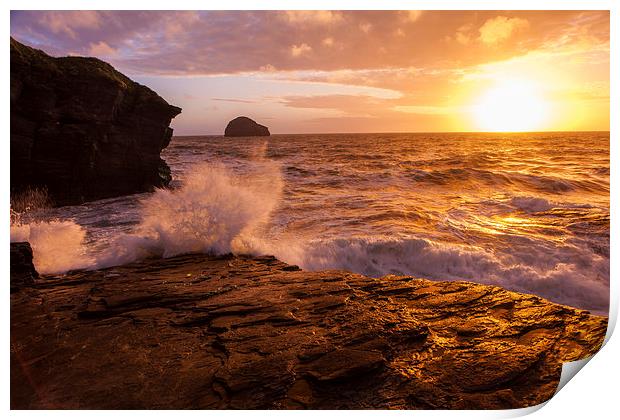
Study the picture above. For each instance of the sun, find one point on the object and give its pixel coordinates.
(511, 105)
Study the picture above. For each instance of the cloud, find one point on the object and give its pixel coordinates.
(235, 100)
(298, 50)
(202, 42)
(313, 16)
(368, 105)
(412, 15)
(501, 28)
(101, 49)
(378, 70)
(346, 104)
(463, 34)
(426, 109)
(365, 27)
(267, 68)
(180, 23)
(69, 22)
(365, 113)
(423, 85)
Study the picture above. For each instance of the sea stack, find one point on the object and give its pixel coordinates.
(245, 127)
(82, 130)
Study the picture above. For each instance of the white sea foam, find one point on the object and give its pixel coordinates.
(57, 246)
(458, 223)
(531, 204)
(569, 274)
(214, 212)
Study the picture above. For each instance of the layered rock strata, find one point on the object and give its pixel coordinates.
(238, 332)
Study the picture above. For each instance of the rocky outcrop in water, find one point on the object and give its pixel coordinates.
(245, 127)
(236, 332)
(82, 130)
(23, 272)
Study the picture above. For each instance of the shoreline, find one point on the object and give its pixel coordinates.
(144, 261)
(196, 331)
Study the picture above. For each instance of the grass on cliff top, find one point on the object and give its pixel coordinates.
(26, 58)
(71, 65)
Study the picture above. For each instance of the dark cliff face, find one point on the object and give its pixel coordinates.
(245, 127)
(82, 130)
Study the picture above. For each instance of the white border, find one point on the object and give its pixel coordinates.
(591, 395)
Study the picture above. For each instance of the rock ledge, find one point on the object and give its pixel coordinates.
(238, 332)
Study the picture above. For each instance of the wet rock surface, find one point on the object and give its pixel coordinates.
(235, 332)
(82, 130)
(23, 272)
(245, 127)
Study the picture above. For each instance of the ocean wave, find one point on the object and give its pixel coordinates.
(534, 232)
(569, 275)
(531, 204)
(213, 212)
(57, 245)
(524, 181)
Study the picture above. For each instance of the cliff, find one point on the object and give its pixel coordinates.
(82, 130)
(238, 332)
(245, 127)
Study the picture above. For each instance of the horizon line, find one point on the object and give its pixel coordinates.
(409, 132)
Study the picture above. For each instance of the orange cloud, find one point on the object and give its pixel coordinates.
(427, 63)
(179, 23)
(463, 34)
(412, 15)
(501, 28)
(177, 43)
(328, 42)
(301, 49)
(365, 27)
(101, 49)
(313, 16)
(70, 21)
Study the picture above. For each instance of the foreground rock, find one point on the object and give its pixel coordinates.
(23, 272)
(245, 127)
(82, 130)
(201, 332)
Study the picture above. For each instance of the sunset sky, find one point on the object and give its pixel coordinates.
(371, 71)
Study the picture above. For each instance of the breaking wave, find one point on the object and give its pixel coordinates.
(215, 211)
(498, 178)
(475, 221)
(57, 245)
(568, 274)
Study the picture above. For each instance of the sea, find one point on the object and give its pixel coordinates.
(525, 211)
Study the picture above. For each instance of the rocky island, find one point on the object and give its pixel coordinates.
(197, 331)
(81, 130)
(245, 127)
